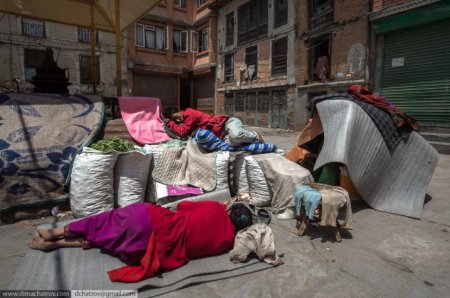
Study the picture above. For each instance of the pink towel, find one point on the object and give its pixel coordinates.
(142, 116)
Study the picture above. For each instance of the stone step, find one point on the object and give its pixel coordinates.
(439, 139)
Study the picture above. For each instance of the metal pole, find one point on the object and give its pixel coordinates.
(93, 56)
(118, 49)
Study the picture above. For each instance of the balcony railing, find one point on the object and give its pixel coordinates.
(321, 20)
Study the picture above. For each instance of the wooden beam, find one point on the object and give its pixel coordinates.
(93, 56)
(118, 48)
(104, 14)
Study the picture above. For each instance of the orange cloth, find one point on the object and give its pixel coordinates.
(297, 154)
(309, 135)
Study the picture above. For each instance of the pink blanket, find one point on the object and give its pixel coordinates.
(142, 116)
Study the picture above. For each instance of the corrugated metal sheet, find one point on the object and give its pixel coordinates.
(416, 75)
(394, 183)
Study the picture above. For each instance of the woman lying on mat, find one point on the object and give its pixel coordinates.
(151, 238)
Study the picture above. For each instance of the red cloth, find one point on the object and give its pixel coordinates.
(194, 119)
(197, 229)
(400, 118)
(149, 266)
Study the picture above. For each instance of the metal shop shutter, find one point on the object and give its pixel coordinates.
(163, 87)
(416, 72)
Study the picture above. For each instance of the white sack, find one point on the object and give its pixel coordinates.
(155, 151)
(131, 176)
(222, 164)
(92, 182)
(259, 190)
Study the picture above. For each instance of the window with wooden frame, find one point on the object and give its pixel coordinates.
(33, 59)
(203, 40)
(280, 13)
(84, 35)
(229, 104)
(251, 59)
(279, 100)
(321, 14)
(180, 3)
(151, 37)
(229, 40)
(250, 102)
(240, 102)
(279, 56)
(263, 102)
(229, 68)
(201, 3)
(180, 39)
(252, 20)
(85, 69)
(33, 28)
(320, 58)
(194, 41)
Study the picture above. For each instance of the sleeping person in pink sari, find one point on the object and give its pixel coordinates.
(150, 238)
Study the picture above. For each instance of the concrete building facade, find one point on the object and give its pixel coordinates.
(172, 52)
(22, 45)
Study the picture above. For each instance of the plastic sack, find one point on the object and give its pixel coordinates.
(259, 190)
(222, 164)
(131, 176)
(155, 151)
(92, 182)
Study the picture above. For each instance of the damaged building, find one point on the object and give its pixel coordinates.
(275, 55)
(23, 43)
(331, 48)
(172, 54)
(255, 77)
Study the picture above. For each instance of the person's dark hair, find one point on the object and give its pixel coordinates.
(241, 216)
(168, 112)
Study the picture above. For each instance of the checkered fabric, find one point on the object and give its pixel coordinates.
(391, 134)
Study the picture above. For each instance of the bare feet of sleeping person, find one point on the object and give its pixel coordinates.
(39, 243)
(51, 234)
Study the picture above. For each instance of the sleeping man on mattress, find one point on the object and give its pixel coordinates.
(151, 238)
(183, 123)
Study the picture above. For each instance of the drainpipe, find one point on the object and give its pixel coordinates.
(371, 48)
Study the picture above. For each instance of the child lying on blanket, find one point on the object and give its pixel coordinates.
(151, 238)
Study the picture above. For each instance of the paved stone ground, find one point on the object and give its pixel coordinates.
(385, 255)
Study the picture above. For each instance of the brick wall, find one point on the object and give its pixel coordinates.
(381, 4)
(349, 29)
(220, 103)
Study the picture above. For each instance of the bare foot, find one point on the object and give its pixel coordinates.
(39, 243)
(48, 234)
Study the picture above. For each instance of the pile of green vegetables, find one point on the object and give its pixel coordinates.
(114, 143)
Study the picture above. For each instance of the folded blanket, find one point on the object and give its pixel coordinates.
(142, 117)
(207, 140)
(180, 165)
(282, 177)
